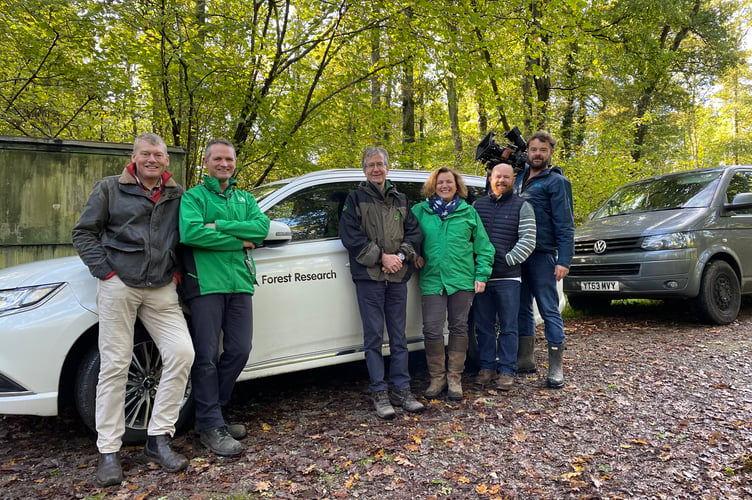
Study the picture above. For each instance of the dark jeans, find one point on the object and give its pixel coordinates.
(538, 282)
(440, 309)
(213, 376)
(381, 301)
(500, 300)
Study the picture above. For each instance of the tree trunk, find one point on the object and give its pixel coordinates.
(454, 124)
(408, 114)
(408, 107)
(536, 42)
(377, 132)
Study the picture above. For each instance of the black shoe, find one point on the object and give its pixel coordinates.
(109, 471)
(221, 442)
(158, 448)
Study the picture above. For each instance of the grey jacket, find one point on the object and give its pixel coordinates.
(122, 230)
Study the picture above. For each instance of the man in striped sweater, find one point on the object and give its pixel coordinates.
(510, 223)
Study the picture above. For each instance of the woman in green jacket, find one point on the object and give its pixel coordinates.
(455, 264)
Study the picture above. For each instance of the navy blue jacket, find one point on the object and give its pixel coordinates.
(550, 194)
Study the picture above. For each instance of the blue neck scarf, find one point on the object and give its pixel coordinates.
(443, 208)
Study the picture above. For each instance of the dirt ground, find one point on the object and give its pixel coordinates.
(655, 406)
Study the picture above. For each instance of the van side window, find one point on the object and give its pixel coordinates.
(741, 182)
(313, 213)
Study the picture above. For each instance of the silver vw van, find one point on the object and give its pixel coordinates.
(686, 235)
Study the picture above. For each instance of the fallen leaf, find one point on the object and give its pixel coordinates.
(260, 486)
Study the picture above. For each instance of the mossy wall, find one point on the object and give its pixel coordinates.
(44, 184)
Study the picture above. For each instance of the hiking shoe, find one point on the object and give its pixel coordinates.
(405, 399)
(221, 442)
(504, 382)
(237, 431)
(383, 408)
(485, 377)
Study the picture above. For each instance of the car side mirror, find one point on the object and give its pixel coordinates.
(741, 201)
(279, 234)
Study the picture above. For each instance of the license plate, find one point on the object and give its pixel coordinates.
(599, 286)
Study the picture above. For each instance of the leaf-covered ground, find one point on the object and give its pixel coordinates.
(655, 406)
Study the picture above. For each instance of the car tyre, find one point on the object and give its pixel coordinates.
(143, 377)
(720, 294)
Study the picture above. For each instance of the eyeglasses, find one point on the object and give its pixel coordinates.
(157, 156)
(378, 164)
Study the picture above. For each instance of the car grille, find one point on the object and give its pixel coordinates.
(612, 245)
(589, 270)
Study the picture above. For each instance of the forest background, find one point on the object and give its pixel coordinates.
(630, 88)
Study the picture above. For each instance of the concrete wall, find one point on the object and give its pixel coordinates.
(45, 184)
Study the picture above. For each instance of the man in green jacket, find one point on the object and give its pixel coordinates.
(219, 225)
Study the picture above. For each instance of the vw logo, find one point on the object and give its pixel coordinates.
(599, 247)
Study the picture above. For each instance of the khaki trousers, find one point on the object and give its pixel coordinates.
(160, 312)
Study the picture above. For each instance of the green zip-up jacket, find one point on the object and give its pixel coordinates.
(214, 258)
(457, 250)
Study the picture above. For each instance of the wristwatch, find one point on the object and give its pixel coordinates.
(401, 256)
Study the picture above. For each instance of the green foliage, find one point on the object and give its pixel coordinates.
(631, 87)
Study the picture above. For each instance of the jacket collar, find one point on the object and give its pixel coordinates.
(212, 184)
(374, 190)
(503, 197)
(128, 176)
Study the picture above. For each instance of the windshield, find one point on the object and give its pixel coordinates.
(691, 190)
(262, 192)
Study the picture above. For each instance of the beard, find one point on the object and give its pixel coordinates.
(538, 163)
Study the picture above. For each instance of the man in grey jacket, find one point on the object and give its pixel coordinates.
(127, 235)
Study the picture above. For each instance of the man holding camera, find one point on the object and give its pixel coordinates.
(550, 194)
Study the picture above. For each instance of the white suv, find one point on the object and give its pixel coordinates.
(305, 310)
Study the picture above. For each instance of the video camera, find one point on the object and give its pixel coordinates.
(513, 153)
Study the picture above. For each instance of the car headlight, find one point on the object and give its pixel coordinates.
(18, 298)
(670, 241)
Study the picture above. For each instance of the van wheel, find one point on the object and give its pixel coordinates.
(143, 379)
(720, 295)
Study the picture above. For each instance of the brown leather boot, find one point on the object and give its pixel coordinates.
(436, 361)
(455, 366)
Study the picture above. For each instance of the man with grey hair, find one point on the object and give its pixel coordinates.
(127, 236)
(382, 236)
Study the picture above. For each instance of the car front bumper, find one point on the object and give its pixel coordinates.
(652, 274)
(35, 343)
